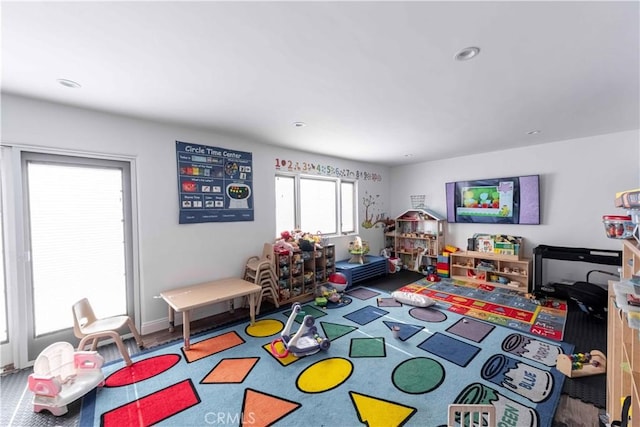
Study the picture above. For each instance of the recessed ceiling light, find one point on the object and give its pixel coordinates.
(408, 155)
(69, 83)
(533, 132)
(299, 124)
(467, 53)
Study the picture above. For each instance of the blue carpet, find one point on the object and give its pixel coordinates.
(370, 374)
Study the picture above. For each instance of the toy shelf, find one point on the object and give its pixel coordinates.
(480, 267)
(491, 255)
(623, 345)
(299, 273)
(564, 364)
(418, 238)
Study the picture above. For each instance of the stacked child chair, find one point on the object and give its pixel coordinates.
(261, 270)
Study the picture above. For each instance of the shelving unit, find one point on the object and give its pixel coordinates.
(419, 237)
(623, 346)
(300, 272)
(487, 268)
(325, 264)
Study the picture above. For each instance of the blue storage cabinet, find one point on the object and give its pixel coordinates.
(355, 273)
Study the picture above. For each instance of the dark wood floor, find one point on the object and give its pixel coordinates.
(387, 283)
(239, 315)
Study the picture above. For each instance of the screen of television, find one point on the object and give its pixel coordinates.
(510, 200)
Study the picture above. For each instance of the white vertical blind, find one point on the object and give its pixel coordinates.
(77, 241)
(318, 199)
(4, 335)
(347, 207)
(285, 203)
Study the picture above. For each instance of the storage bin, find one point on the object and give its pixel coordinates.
(618, 226)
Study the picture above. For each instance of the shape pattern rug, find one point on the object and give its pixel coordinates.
(496, 305)
(388, 365)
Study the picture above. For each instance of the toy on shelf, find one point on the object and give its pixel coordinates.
(473, 275)
(304, 342)
(358, 250)
(582, 364)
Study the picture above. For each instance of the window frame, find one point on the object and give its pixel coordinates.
(297, 177)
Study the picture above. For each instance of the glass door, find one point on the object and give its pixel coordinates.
(78, 241)
(5, 350)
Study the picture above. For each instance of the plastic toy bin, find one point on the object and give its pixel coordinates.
(618, 226)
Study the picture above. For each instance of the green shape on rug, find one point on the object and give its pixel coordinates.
(334, 331)
(367, 347)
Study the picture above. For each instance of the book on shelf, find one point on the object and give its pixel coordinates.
(633, 299)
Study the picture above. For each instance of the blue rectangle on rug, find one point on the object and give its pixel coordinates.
(400, 365)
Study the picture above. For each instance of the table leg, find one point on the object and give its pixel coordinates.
(172, 319)
(186, 327)
(252, 308)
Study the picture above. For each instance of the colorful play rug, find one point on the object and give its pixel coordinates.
(388, 364)
(496, 305)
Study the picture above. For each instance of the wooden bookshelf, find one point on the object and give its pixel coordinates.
(623, 347)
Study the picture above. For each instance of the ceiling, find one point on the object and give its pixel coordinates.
(373, 81)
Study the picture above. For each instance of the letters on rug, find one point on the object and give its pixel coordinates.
(496, 305)
(388, 364)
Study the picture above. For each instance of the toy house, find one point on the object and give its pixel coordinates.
(419, 238)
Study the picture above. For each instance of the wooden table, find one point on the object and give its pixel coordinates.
(188, 298)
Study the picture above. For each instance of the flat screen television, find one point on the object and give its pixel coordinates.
(509, 200)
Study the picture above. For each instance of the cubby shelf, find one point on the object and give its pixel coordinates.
(300, 272)
(623, 346)
(488, 268)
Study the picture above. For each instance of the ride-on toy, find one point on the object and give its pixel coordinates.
(305, 341)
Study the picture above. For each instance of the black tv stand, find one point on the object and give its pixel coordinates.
(594, 256)
(591, 298)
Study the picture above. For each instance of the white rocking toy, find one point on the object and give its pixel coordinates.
(62, 375)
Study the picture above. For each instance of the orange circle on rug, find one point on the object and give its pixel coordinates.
(324, 375)
(264, 328)
(141, 370)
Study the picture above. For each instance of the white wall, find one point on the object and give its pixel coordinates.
(578, 180)
(578, 177)
(172, 255)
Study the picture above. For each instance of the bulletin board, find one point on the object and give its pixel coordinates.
(214, 184)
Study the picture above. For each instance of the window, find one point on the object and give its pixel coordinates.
(312, 204)
(285, 203)
(4, 334)
(348, 210)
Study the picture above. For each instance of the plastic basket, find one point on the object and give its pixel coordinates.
(417, 201)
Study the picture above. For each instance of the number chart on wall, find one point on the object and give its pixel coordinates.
(214, 184)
